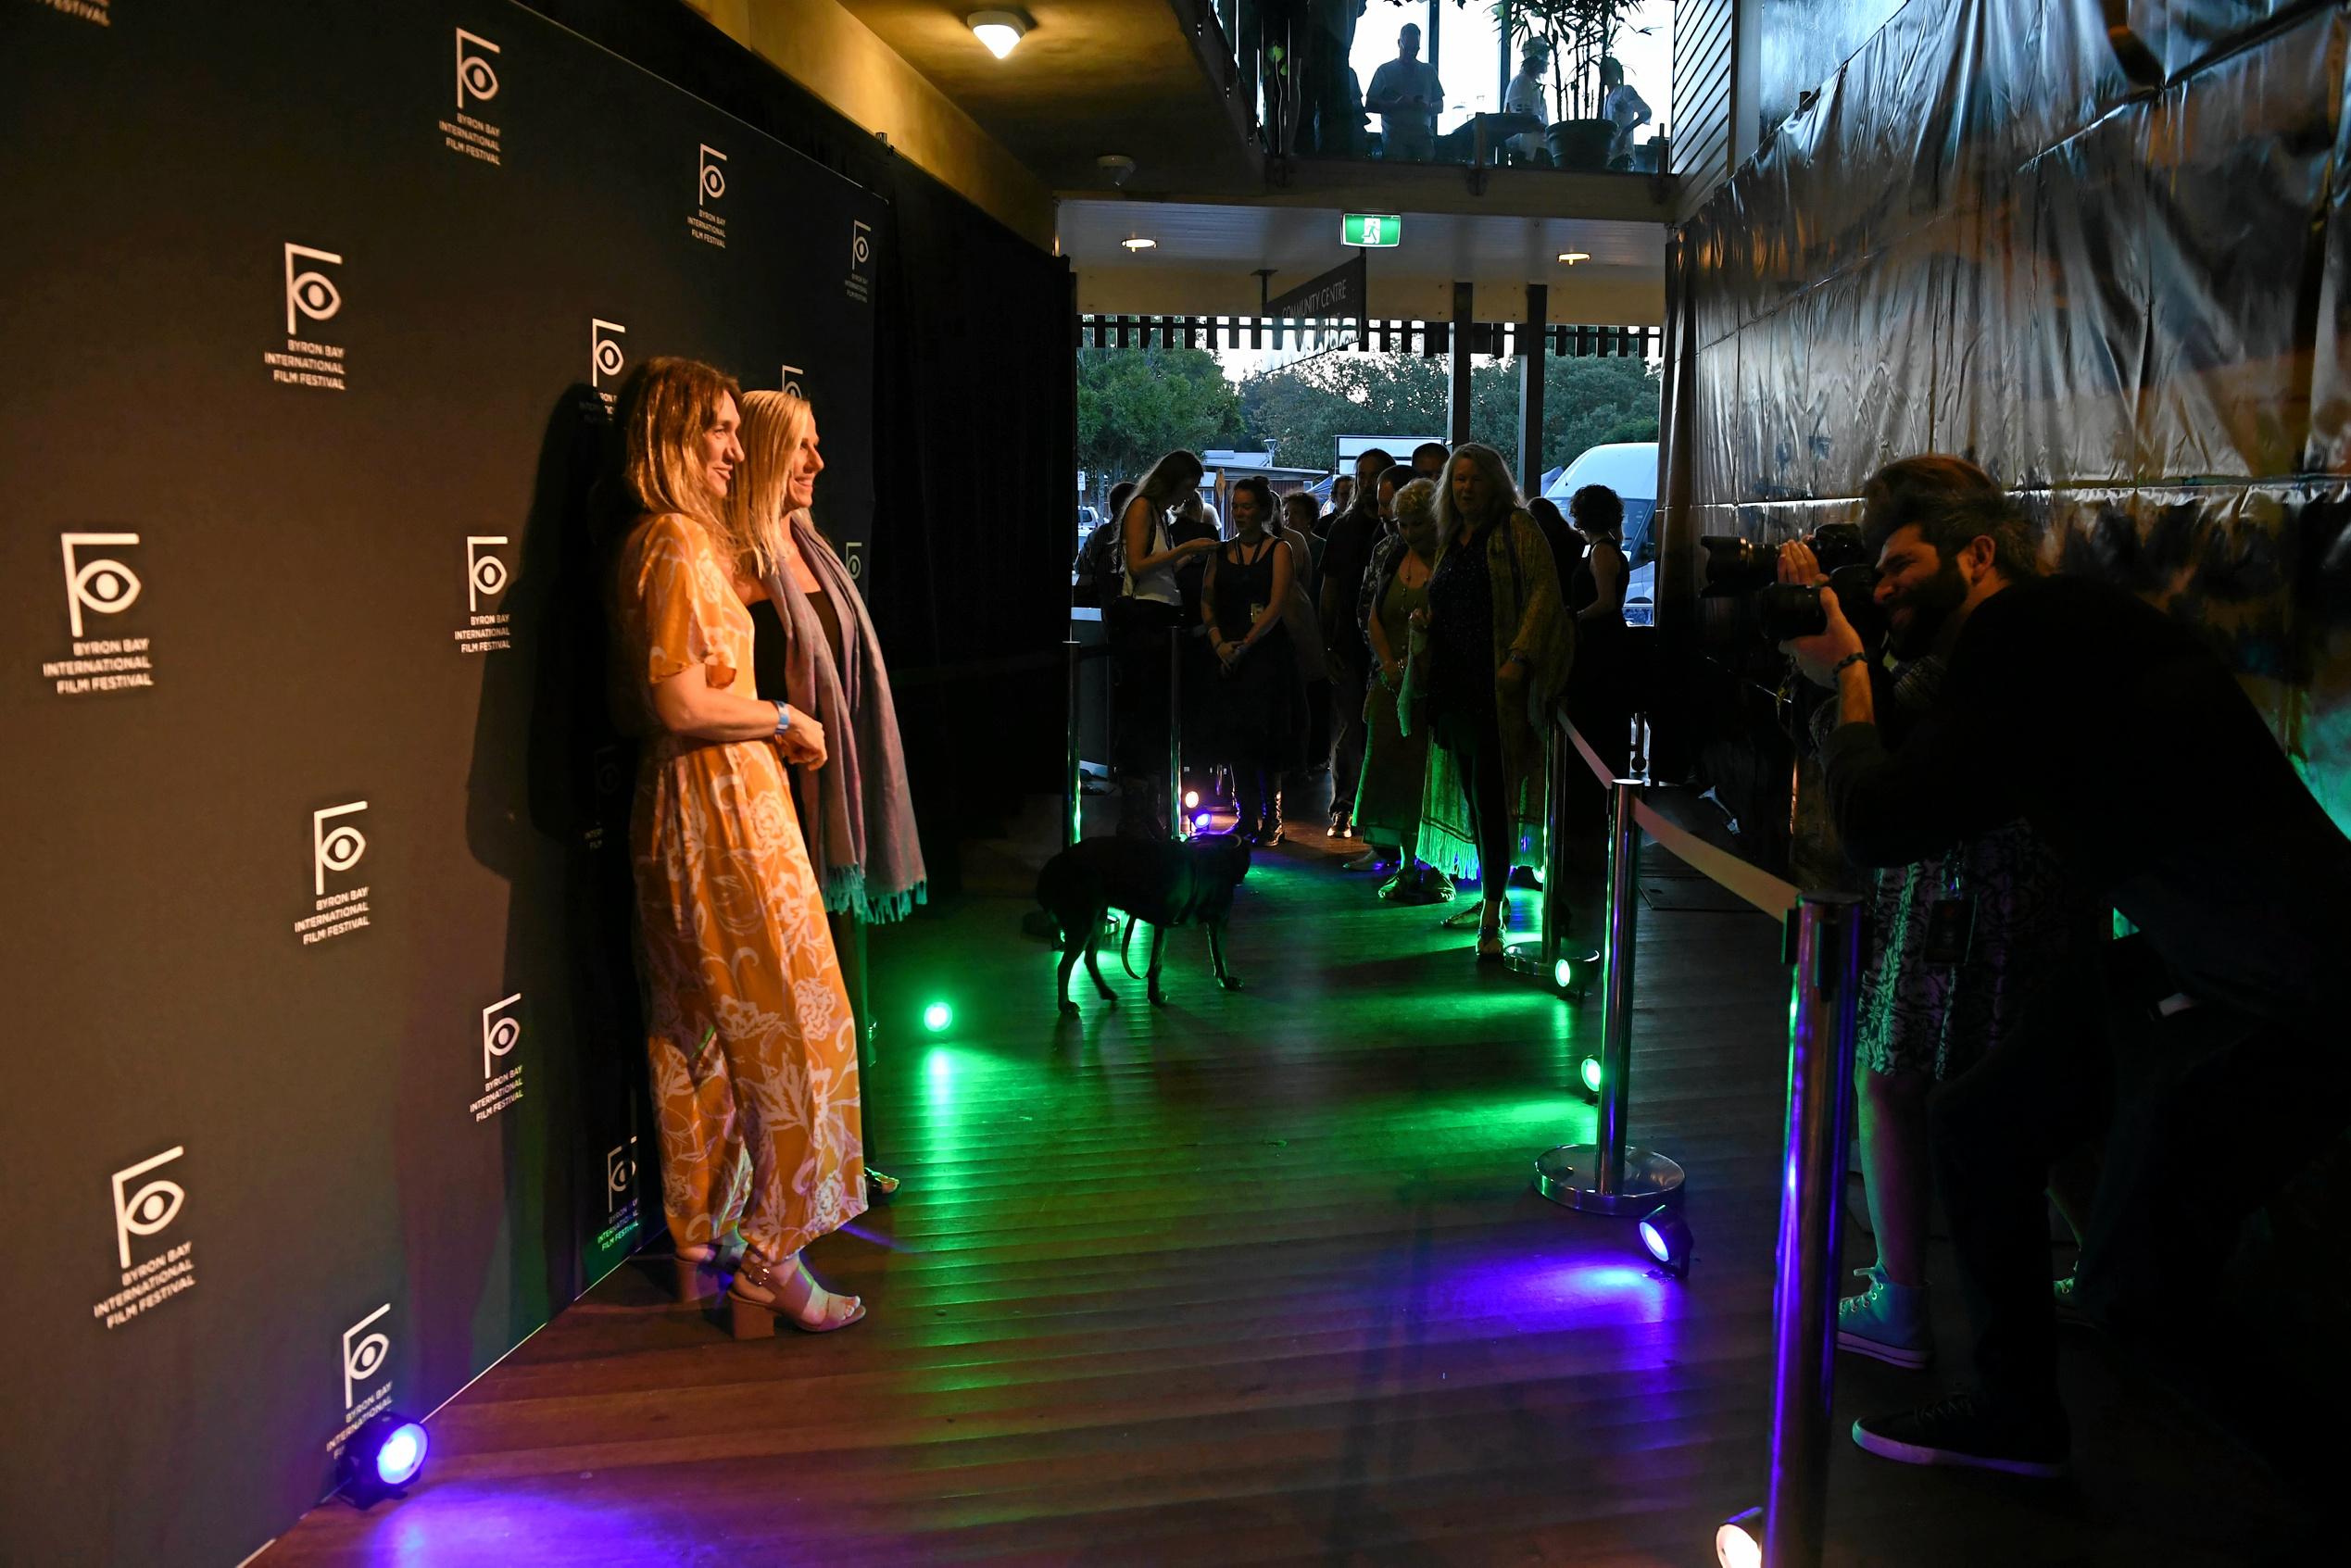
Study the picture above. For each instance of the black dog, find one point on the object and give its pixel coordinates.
(1159, 883)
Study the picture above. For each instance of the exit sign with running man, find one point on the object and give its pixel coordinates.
(1374, 228)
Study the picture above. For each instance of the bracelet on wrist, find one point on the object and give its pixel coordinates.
(1858, 656)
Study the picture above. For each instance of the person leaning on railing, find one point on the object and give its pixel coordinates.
(2131, 750)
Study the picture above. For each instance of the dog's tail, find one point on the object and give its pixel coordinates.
(1124, 938)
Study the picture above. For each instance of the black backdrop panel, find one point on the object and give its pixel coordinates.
(322, 1085)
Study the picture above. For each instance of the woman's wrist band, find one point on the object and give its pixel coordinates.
(1857, 657)
(783, 717)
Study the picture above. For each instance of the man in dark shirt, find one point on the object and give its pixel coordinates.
(2133, 753)
(1347, 551)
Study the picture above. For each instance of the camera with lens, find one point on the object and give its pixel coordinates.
(1746, 572)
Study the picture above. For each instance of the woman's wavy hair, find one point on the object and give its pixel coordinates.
(1171, 479)
(664, 408)
(758, 509)
(1499, 484)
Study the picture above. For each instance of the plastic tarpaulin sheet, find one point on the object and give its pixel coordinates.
(2100, 246)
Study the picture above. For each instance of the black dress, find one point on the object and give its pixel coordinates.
(1259, 705)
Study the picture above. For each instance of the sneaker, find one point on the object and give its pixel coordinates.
(1976, 1430)
(1436, 884)
(1887, 1321)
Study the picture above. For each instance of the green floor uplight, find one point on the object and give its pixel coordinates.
(1590, 1070)
(1561, 973)
(937, 1018)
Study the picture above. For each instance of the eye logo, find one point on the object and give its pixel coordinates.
(713, 179)
(605, 356)
(861, 243)
(484, 572)
(477, 83)
(619, 1175)
(150, 1207)
(336, 849)
(106, 587)
(791, 379)
(363, 1358)
(311, 293)
(500, 1034)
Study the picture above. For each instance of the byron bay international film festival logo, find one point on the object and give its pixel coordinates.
(468, 134)
(155, 1264)
(312, 299)
(339, 900)
(619, 1194)
(486, 627)
(367, 1372)
(501, 1071)
(792, 379)
(606, 357)
(102, 655)
(859, 284)
(706, 222)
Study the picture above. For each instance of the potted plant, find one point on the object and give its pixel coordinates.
(1580, 35)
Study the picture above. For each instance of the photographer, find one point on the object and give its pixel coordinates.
(2131, 752)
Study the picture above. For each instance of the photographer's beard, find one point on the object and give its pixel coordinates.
(1915, 617)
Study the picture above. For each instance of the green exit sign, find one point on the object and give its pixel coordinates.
(1374, 228)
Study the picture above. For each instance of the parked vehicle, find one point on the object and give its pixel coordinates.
(1629, 467)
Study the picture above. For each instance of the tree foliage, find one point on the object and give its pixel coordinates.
(1303, 407)
(1134, 403)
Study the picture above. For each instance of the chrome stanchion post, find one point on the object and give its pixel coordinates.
(1073, 779)
(1607, 1176)
(1178, 825)
(1820, 1110)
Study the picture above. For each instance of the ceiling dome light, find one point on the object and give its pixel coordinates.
(998, 30)
(1572, 256)
(1135, 241)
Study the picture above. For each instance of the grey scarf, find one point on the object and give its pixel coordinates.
(855, 812)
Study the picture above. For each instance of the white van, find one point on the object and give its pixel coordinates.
(1629, 467)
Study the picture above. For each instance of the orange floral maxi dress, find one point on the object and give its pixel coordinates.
(735, 947)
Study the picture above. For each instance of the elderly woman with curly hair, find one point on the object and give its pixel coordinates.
(1499, 644)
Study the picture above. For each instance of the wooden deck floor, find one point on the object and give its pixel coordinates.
(1260, 1278)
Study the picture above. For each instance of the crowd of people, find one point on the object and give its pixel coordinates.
(1404, 652)
(1319, 105)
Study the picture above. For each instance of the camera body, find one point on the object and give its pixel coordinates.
(1746, 571)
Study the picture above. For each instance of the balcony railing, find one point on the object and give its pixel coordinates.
(1596, 101)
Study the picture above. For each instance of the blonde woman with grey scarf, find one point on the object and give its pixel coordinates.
(815, 645)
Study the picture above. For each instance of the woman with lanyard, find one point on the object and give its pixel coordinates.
(1499, 649)
(815, 643)
(1259, 699)
(1151, 604)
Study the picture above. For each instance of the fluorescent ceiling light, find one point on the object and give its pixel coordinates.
(1135, 241)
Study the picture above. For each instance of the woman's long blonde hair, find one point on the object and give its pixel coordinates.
(664, 406)
(759, 508)
(1499, 484)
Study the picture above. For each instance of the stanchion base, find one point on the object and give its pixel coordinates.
(1570, 1175)
(1527, 957)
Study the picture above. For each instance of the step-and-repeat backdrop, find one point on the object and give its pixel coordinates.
(321, 1089)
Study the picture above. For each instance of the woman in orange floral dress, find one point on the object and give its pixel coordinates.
(749, 1027)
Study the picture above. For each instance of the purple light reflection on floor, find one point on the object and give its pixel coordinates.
(879, 1241)
(1546, 1293)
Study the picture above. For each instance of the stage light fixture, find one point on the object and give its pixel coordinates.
(1001, 30)
(1563, 974)
(1192, 799)
(381, 1458)
(937, 1017)
(1590, 1069)
(1667, 1236)
(1199, 821)
(1738, 1539)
